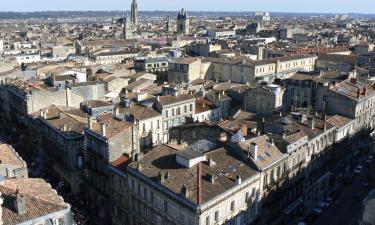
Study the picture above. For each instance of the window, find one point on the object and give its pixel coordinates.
(178, 111)
(144, 127)
(172, 112)
(208, 220)
(191, 107)
(185, 109)
(158, 124)
(233, 205)
(217, 216)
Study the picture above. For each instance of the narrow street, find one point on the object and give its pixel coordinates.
(347, 208)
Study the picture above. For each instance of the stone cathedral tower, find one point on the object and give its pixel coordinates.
(134, 12)
(183, 23)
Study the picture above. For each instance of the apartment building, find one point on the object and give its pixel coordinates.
(109, 58)
(210, 186)
(107, 139)
(175, 109)
(242, 71)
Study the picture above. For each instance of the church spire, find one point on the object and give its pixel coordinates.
(134, 12)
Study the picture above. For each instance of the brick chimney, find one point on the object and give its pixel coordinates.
(353, 80)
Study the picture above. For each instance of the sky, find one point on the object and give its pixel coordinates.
(320, 6)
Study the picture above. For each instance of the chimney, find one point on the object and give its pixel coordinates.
(104, 130)
(139, 167)
(20, 203)
(9, 172)
(311, 123)
(158, 98)
(244, 130)
(44, 115)
(199, 195)
(64, 128)
(324, 118)
(272, 142)
(161, 177)
(90, 122)
(211, 178)
(184, 191)
(353, 80)
(211, 162)
(254, 151)
(365, 91)
(117, 111)
(238, 180)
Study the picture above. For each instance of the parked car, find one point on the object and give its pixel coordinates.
(358, 169)
(317, 210)
(323, 205)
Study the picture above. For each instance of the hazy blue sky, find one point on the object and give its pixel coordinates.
(357, 6)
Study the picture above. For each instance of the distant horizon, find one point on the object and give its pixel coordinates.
(194, 11)
(282, 6)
